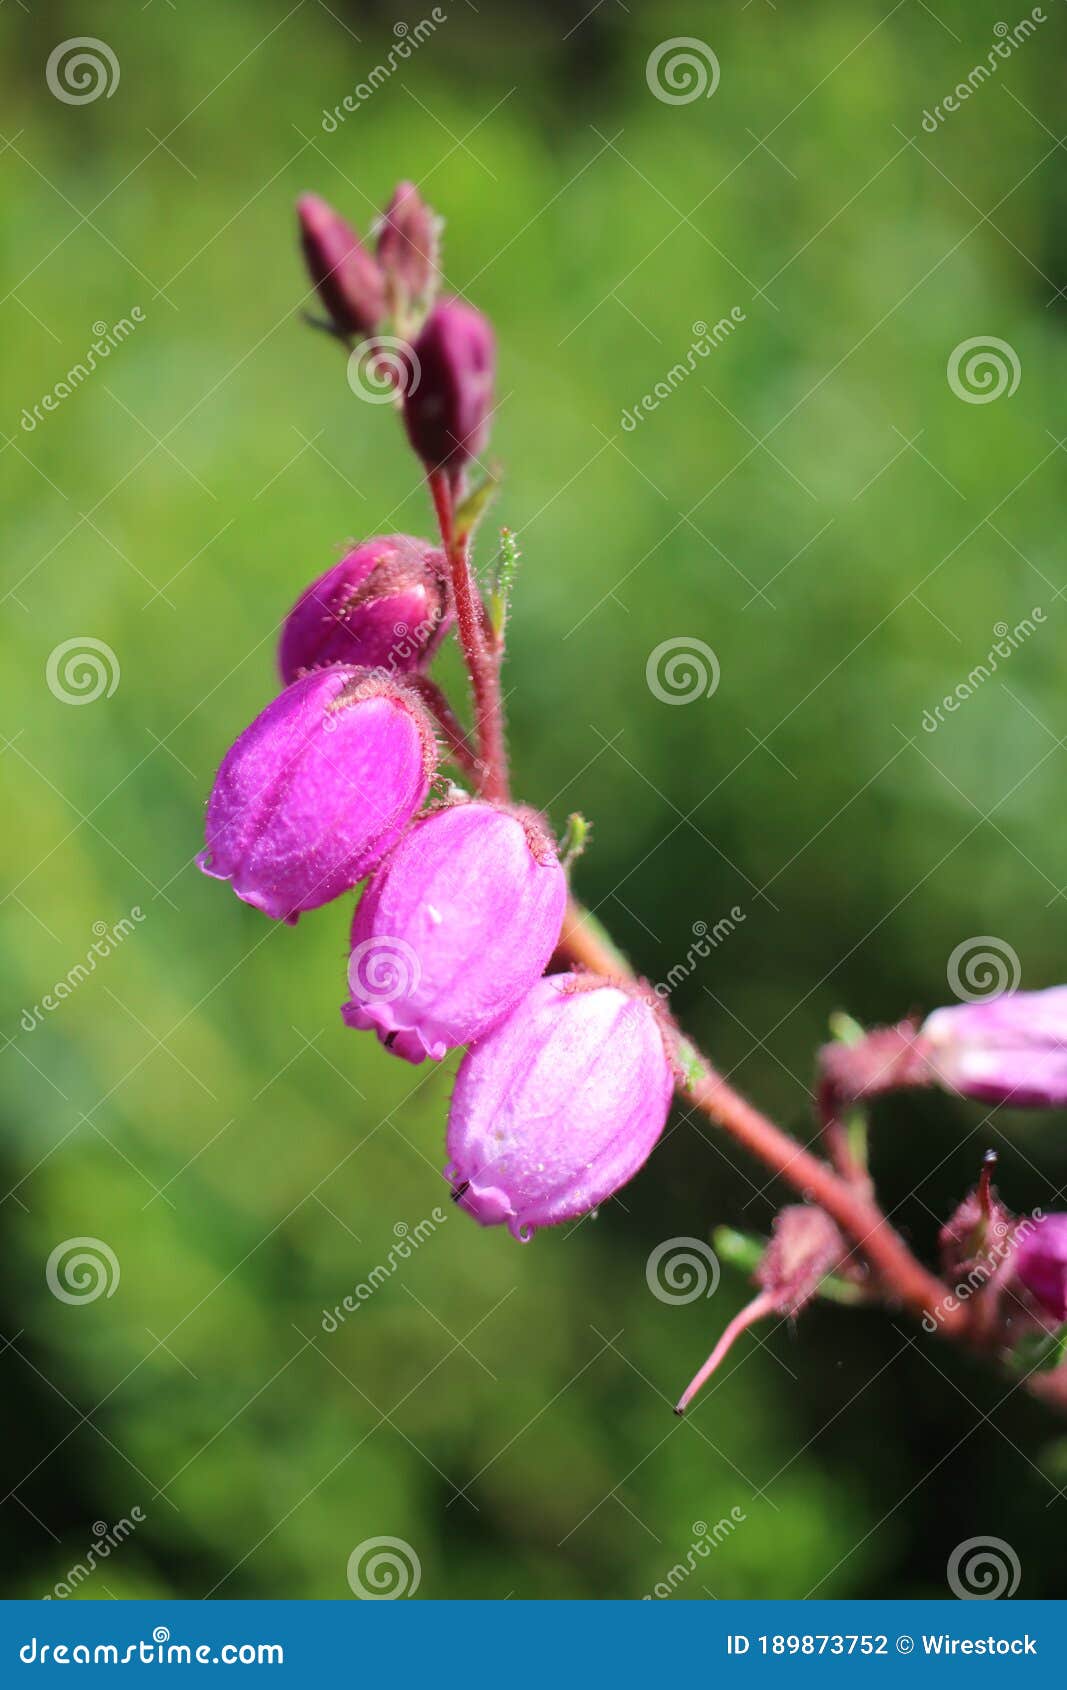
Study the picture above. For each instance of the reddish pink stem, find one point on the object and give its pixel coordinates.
(482, 659)
(900, 1274)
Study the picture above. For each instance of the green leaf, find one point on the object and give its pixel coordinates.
(502, 575)
(575, 839)
(477, 502)
(845, 1028)
(1040, 1352)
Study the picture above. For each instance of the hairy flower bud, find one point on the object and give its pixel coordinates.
(1040, 1261)
(317, 789)
(408, 246)
(1011, 1049)
(384, 606)
(805, 1245)
(559, 1105)
(347, 278)
(454, 928)
(447, 403)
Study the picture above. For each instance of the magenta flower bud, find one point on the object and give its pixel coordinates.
(314, 793)
(384, 606)
(1041, 1263)
(559, 1105)
(347, 278)
(1010, 1049)
(454, 928)
(448, 400)
(408, 244)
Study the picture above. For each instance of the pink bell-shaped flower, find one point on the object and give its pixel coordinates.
(317, 790)
(559, 1105)
(1040, 1261)
(1011, 1049)
(454, 928)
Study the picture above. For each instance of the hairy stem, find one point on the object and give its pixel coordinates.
(460, 748)
(482, 658)
(901, 1275)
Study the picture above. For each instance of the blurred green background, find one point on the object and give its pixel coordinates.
(814, 502)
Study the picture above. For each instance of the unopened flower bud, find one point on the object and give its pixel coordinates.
(384, 606)
(347, 278)
(1011, 1049)
(559, 1105)
(1040, 1261)
(408, 246)
(455, 927)
(447, 403)
(317, 789)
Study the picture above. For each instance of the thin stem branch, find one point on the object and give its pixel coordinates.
(460, 748)
(902, 1276)
(482, 659)
(757, 1309)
